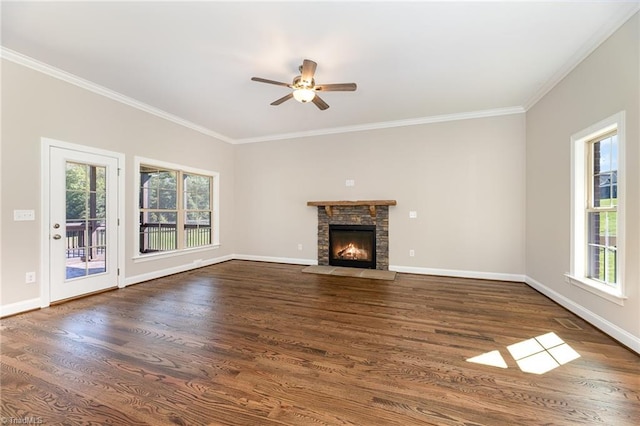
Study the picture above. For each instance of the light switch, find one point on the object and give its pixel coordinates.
(21, 215)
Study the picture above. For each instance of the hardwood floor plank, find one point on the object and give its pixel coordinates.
(249, 343)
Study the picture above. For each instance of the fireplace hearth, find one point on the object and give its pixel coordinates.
(352, 246)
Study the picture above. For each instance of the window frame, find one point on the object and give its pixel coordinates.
(580, 205)
(591, 207)
(181, 210)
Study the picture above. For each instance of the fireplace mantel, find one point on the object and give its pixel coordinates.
(328, 205)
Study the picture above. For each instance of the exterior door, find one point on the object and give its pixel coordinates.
(83, 222)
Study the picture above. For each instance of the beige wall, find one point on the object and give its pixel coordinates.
(35, 105)
(465, 179)
(607, 82)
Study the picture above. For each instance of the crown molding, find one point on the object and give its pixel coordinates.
(67, 77)
(388, 124)
(49, 70)
(587, 49)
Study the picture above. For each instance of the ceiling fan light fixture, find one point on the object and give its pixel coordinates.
(304, 95)
(304, 87)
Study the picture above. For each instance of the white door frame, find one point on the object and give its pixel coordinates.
(45, 255)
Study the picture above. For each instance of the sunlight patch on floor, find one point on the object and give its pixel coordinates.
(538, 355)
(493, 358)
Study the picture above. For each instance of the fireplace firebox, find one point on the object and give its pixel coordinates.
(352, 246)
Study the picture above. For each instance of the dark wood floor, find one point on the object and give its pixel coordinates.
(247, 343)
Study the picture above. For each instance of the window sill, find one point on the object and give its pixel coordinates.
(596, 288)
(140, 258)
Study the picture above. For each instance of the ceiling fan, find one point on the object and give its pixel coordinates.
(305, 88)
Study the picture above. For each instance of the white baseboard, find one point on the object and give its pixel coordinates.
(621, 335)
(497, 276)
(16, 308)
(290, 260)
(174, 270)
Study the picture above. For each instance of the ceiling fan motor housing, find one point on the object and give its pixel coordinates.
(299, 83)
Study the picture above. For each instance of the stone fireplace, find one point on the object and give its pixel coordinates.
(354, 233)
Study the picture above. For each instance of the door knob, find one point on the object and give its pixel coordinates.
(57, 236)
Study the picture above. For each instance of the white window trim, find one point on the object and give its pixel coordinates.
(576, 276)
(215, 243)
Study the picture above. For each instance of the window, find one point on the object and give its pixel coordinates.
(602, 208)
(597, 237)
(176, 207)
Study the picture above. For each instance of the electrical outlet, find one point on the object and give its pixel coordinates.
(413, 214)
(412, 253)
(300, 247)
(350, 182)
(30, 277)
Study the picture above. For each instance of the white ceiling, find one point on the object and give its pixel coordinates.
(413, 62)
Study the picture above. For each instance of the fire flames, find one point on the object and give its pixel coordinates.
(351, 252)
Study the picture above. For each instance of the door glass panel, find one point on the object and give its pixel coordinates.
(86, 218)
(98, 262)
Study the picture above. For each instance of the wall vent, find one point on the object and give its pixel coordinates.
(567, 323)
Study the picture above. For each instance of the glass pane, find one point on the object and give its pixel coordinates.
(198, 218)
(603, 191)
(97, 264)
(167, 180)
(101, 178)
(75, 238)
(145, 190)
(76, 205)
(601, 247)
(614, 152)
(197, 192)
(96, 232)
(593, 221)
(595, 263)
(197, 229)
(602, 154)
(76, 265)
(168, 218)
(167, 199)
(77, 177)
(98, 194)
(602, 264)
(101, 205)
(610, 267)
(595, 190)
(610, 228)
(159, 232)
(204, 200)
(148, 198)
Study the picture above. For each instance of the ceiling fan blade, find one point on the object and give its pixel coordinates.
(282, 99)
(264, 80)
(308, 70)
(340, 87)
(320, 103)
